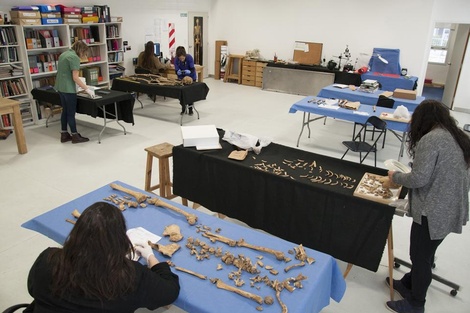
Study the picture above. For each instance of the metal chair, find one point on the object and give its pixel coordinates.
(384, 102)
(359, 144)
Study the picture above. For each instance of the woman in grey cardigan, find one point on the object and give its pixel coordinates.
(439, 185)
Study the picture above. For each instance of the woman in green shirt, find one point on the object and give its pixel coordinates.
(67, 76)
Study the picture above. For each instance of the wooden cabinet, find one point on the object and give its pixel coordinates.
(259, 73)
(252, 73)
(249, 72)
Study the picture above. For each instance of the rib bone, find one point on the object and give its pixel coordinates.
(221, 285)
(191, 218)
(140, 197)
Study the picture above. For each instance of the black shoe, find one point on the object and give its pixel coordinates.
(65, 137)
(403, 306)
(77, 138)
(190, 111)
(398, 286)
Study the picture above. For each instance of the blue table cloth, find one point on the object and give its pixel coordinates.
(324, 281)
(365, 97)
(308, 105)
(390, 83)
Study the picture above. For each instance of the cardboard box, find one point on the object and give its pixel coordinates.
(26, 21)
(25, 14)
(202, 137)
(51, 15)
(404, 94)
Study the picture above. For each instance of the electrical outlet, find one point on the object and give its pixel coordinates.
(128, 48)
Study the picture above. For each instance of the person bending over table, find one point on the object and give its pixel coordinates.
(439, 183)
(149, 61)
(68, 69)
(184, 67)
(92, 272)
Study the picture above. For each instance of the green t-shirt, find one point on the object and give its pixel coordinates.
(68, 61)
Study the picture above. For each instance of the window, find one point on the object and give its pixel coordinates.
(440, 44)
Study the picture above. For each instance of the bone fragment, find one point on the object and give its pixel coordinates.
(278, 287)
(221, 285)
(215, 237)
(70, 221)
(191, 218)
(174, 232)
(167, 250)
(140, 197)
(76, 214)
(301, 255)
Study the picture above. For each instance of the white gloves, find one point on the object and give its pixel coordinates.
(90, 92)
(144, 250)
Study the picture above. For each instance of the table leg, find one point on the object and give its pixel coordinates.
(19, 131)
(391, 260)
(306, 122)
(117, 117)
(348, 269)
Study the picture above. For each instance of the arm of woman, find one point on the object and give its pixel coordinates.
(423, 164)
(77, 80)
(159, 286)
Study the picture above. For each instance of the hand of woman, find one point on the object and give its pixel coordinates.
(144, 250)
(390, 175)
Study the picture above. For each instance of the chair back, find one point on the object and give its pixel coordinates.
(377, 123)
(385, 102)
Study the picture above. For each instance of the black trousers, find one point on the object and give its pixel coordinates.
(422, 252)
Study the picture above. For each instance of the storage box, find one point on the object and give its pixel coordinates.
(202, 137)
(26, 21)
(48, 8)
(51, 15)
(404, 94)
(25, 14)
(51, 21)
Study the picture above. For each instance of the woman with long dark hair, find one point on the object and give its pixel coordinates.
(149, 61)
(93, 272)
(439, 183)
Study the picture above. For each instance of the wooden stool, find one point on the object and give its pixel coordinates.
(163, 152)
(10, 106)
(234, 62)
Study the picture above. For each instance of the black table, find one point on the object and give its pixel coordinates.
(323, 217)
(340, 77)
(186, 94)
(113, 105)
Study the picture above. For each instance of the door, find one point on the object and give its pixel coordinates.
(455, 66)
(198, 44)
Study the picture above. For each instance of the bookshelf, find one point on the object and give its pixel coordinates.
(115, 50)
(41, 46)
(12, 75)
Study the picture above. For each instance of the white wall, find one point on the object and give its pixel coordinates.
(274, 25)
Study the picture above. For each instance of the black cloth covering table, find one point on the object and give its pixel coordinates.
(323, 217)
(185, 94)
(92, 107)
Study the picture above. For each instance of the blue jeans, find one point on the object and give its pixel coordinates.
(69, 108)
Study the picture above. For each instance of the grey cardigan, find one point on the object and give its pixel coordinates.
(439, 184)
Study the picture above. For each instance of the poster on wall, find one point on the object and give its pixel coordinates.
(198, 40)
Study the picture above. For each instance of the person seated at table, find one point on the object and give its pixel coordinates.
(147, 60)
(184, 67)
(93, 271)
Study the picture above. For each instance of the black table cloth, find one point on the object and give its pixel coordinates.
(323, 217)
(185, 94)
(93, 107)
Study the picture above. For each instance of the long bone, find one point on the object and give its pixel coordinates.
(221, 285)
(191, 218)
(140, 197)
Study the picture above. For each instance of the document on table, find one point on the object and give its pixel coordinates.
(141, 235)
